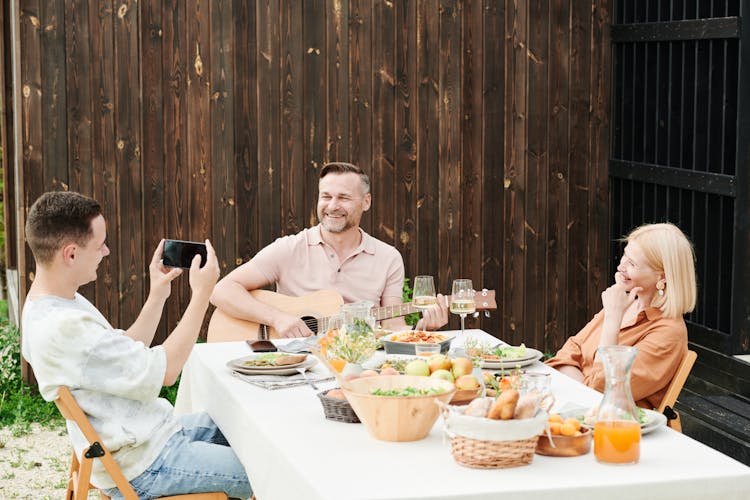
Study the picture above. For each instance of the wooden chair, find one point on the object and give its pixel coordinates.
(675, 386)
(80, 471)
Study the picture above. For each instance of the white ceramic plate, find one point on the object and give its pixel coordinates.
(655, 420)
(239, 366)
(532, 356)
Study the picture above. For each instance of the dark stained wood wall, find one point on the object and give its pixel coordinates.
(484, 126)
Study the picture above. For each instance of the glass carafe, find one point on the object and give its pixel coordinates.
(617, 431)
(357, 317)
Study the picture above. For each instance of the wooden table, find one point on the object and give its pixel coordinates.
(291, 451)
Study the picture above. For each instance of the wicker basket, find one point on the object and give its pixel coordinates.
(483, 443)
(337, 409)
(493, 454)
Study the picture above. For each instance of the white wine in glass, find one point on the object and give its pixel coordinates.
(424, 292)
(462, 300)
(463, 306)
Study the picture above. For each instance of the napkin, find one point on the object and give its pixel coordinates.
(273, 382)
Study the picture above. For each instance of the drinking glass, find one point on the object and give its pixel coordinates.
(424, 292)
(424, 349)
(462, 300)
(538, 385)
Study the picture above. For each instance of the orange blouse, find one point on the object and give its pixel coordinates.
(661, 343)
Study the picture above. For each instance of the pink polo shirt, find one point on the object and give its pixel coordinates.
(303, 263)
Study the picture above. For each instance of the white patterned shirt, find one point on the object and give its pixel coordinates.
(115, 380)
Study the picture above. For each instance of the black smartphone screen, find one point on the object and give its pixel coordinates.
(178, 253)
(261, 345)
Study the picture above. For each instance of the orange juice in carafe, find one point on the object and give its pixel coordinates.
(617, 442)
(617, 431)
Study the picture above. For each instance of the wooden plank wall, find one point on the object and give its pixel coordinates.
(484, 126)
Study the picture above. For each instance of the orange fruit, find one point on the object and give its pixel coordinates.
(555, 427)
(554, 417)
(567, 429)
(574, 422)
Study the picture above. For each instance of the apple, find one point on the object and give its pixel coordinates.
(439, 362)
(417, 367)
(389, 371)
(336, 394)
(467, 382)
(462, 366)
(443, 374)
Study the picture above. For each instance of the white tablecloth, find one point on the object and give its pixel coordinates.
(291, 451)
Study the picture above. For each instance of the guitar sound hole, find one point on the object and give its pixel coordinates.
(311, 322)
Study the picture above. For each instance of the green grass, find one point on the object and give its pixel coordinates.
(20, 405)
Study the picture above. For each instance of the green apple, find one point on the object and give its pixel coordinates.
(417, 367)
(443, 374)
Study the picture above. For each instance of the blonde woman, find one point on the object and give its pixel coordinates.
(654, 287)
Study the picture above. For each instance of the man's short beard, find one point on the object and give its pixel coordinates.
(336, 230)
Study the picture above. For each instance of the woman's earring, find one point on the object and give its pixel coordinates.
(660, 288)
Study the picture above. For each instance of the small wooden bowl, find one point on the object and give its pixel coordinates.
(464, 396)
(565, 446)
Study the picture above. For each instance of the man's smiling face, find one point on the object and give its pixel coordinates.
(341, 202)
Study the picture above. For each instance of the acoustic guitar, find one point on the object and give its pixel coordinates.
(316, 310)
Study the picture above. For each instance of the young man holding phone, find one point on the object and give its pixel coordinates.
(334, 255)
(113, 374)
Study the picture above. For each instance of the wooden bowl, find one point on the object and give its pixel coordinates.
(565, 446)
(397, 418)
(464, 396)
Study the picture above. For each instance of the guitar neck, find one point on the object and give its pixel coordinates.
(322, 325)
(394, 311)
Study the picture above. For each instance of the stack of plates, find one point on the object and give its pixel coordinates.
(239, 366)
(532, 356)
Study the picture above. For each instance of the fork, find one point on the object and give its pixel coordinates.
(302, 371)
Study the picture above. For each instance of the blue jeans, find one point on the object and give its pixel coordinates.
(196, 459)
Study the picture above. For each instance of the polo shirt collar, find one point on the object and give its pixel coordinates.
(367, 245)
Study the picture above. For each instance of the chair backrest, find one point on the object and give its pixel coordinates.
(79, 483)
(80, 471)
(675, 386)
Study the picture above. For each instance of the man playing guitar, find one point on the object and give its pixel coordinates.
(334, 255)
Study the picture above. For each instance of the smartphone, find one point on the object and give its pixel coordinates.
(261, 345)
(178, 253)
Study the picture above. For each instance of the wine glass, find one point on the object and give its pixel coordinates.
(424, 292)
(462, 299)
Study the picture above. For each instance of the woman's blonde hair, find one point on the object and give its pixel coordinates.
(668, 251)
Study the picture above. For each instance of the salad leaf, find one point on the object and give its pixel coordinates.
(510, 352)
(407, 391)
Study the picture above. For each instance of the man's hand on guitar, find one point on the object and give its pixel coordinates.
(433, 318)
(288, 326)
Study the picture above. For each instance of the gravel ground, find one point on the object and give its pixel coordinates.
(34, 465)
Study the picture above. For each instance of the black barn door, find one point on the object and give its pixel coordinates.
(681, 146)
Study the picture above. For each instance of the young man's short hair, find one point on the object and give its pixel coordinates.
(57, 218)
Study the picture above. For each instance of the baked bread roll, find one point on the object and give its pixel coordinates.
(505, 405)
